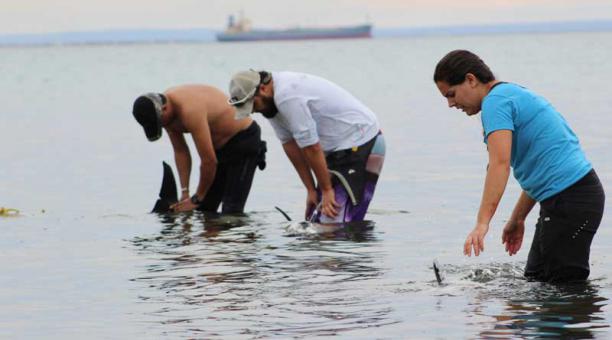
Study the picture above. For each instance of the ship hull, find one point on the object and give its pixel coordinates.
(362, 31)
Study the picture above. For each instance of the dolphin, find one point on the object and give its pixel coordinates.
(167, 194)
(438, 272)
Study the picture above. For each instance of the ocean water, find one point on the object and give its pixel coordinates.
(85, 259)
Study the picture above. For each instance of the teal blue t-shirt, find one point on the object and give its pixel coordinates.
(546, 155)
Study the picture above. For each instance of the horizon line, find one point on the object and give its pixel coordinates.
(201, 34)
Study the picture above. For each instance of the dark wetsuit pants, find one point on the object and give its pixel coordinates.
(564, 231)
(236, 163)
(360, 167)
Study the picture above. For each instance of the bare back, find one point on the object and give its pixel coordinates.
(191, 103)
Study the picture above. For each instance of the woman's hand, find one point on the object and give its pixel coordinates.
(475, 240)
(512, 236)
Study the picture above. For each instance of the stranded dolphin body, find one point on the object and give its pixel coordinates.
(167, 193)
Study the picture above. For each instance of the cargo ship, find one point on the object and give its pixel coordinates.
(241, 31)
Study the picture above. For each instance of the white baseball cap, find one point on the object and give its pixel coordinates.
(242, 89)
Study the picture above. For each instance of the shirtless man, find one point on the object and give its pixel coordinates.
(229, 149)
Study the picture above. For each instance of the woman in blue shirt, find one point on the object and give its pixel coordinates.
(522, 130)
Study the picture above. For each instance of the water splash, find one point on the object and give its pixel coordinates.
(355, 231)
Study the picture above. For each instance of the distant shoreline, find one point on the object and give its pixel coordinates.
(204, 35)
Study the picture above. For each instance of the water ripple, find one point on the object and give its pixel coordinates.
(521, 308)
(210, 276)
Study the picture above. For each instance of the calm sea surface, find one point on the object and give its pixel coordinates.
(85, 259)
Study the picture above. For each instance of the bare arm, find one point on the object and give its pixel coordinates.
(295, 155)
(182, 158)
(500, 148)
(500, 145)
(316, 160)
(512, 237)
(312, 157)
(522, 208)
(197, 124)
(208, 159)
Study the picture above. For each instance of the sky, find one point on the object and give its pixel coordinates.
(43, 16)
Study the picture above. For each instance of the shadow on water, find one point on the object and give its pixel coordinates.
(554, 311)
(224, 276)
(210, 224)
(527, 309)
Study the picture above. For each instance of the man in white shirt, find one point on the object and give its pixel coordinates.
(321, 126)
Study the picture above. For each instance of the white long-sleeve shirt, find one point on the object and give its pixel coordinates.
(312, 109)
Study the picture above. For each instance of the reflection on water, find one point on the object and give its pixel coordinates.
(221, 276)
(525, 309)
(556, 311)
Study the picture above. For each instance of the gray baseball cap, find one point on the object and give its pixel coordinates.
(242, 89)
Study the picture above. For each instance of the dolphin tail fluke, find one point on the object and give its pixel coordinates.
(167, 193)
